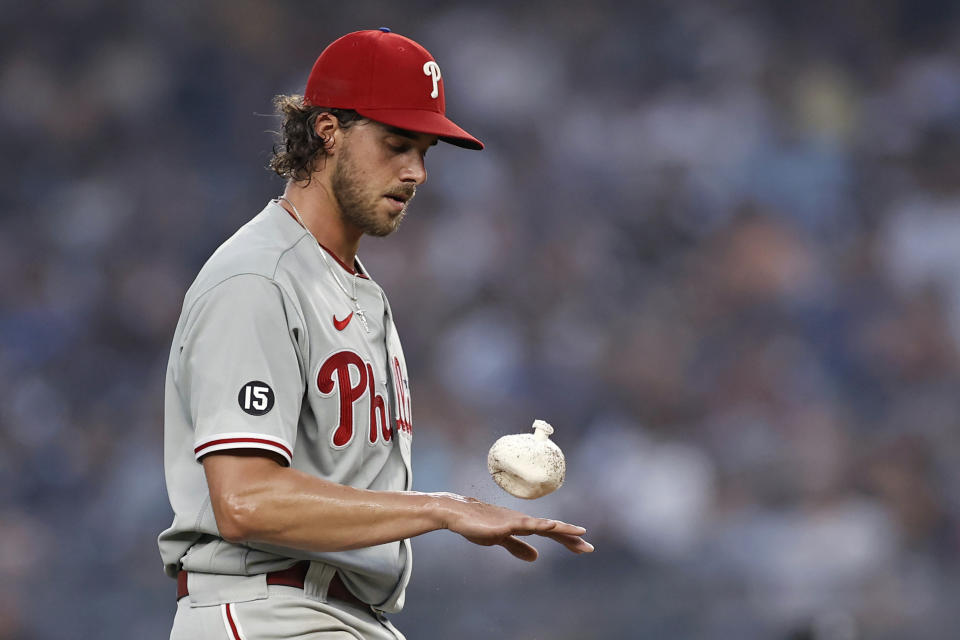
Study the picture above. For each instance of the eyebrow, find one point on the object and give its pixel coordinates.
(405, 133)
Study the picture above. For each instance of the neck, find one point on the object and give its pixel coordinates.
(321, 214)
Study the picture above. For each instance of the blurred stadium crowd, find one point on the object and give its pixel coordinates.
(716, 244)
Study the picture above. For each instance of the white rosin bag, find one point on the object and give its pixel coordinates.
(527, 465)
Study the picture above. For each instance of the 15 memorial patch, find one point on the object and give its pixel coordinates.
(256, 398)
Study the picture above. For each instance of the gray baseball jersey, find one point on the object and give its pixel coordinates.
(271, 354)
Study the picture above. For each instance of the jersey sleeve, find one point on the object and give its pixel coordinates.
(240, 369)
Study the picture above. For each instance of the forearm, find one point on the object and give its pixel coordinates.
(286, 507)
(256, 500)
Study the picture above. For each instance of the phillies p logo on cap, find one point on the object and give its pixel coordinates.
(432, 69)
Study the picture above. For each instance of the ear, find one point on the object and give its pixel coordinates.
(326, 127)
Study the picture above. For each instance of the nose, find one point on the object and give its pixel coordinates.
(414, 170)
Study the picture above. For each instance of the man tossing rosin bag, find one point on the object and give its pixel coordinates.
(288, 418)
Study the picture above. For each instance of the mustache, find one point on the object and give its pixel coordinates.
(405, 192)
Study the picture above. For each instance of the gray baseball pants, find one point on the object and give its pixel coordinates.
(285, 614)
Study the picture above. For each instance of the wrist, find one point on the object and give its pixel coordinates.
(442, 508)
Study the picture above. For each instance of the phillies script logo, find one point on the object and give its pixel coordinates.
(403, 397)
(351, 377)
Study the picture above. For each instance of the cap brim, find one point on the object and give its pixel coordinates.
(422, 121)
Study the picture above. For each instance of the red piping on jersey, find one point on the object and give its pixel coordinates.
(343, 264)
(340, 262)
(233, 625)
(273, 443)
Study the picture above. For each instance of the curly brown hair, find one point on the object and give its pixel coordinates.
(296, 153)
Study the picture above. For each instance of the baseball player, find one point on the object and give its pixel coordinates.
(288, 417)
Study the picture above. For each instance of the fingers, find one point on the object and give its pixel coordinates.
(542, 526)
(576, 544)
(530, 525)
(573, 543)
(564, 528)
(566, 534)
(519, 548)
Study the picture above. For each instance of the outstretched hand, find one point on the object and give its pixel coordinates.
(487, 525)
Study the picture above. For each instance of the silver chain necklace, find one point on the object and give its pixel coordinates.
(361, 316)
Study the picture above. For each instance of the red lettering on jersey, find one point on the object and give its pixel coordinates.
(339, 364)
(403, 401)
(378, 413)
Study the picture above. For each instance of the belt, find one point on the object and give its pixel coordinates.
(292, 577)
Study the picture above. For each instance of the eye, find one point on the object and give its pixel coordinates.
(398, 147)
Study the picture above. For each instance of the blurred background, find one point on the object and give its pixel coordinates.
(716, 244)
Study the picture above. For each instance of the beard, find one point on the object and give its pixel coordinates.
(358, 206)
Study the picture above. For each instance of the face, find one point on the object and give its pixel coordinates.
(376, 175)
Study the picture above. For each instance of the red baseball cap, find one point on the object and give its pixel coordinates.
(388, 78)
